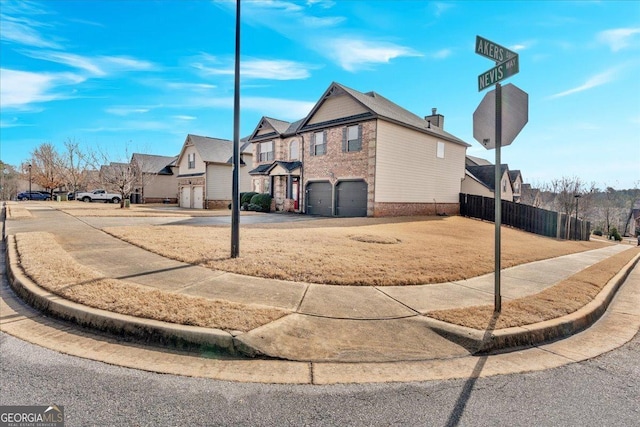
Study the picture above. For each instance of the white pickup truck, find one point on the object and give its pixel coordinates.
(99, 196)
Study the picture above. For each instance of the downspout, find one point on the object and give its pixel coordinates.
(302, 188)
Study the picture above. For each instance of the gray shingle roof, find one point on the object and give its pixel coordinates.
(386, 109)
(215, 150)
(486, 174)
(150, 163)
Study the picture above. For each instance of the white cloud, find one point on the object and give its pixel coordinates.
(442, 54)
(285, 109)
(182, 117)
(125, 111)
(21, 88)
(99, 66)
(258, 69)
(619, 38)
(595, 81)
(21, 33)
(354, 54)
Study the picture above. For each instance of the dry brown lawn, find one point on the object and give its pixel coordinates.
(14, 211)
(556, 301)
(364, 251)
(48, 265)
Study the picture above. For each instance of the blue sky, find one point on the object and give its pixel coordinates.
(138, 76)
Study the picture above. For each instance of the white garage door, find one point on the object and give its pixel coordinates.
(185, 197)
(198, 199)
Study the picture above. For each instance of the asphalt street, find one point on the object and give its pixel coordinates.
(597, 392)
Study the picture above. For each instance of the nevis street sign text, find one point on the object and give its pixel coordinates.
(492, 50)
(498, 73)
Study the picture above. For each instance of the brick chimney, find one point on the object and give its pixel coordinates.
(435, 119)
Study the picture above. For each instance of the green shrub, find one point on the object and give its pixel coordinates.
(262, 200)
(246, 197)
(597, 232)
(615, 235)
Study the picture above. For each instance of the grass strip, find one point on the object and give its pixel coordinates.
(556, 301)
(53, 269)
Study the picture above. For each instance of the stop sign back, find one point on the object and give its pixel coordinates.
(515, 115)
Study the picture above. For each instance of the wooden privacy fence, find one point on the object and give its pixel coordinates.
(525, 217)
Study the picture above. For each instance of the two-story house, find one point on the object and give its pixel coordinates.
(205, 172)
(359, 154)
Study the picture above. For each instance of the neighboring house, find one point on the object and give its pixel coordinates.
(205, 172)
(632, 227)
(359, 154)
(277, 154)
(516, 183)
(481, 180)
(157, 182)
(530, 196)
(476, 161)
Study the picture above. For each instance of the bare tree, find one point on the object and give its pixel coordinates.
(9, 177)
(74, 166)
(121, 176)
(46, 167)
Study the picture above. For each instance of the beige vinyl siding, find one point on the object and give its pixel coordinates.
(219, 181)
(408, 170)
(160, 186)
(337, 107)
(471, 186)
(265, 131)
(245, 178)
(508, 193)
(183, 166)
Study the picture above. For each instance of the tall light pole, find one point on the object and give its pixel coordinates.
(575, 232)
(29, 166)
(235, 187)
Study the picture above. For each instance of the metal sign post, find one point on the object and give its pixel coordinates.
(498, 202)
(507, 64)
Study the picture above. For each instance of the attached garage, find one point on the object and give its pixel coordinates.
(198, 199)
(351, 198)
(319, 198)
(185, 197)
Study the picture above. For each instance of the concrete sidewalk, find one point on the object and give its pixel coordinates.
(328, 323)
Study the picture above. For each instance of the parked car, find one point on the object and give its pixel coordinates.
(33, 195)
(99, 196)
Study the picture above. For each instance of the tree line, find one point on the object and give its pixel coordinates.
(70, 169)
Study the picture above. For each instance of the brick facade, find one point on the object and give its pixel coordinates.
(411, 209)
(336, 165)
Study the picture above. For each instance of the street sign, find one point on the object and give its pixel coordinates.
(492, 50)
(515, 115)
(498, 73)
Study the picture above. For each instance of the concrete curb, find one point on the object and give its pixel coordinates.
(146, 330)
(482, 342)
(225, 343)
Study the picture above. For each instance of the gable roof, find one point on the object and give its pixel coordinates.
(150, 163)
(486, 174)
(281, 128)
(382, 108)
(477, 161)
(513, 175)
(214, 150)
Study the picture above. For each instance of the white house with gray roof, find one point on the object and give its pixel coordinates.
(359, 154)
(205, 168)
(157, 179)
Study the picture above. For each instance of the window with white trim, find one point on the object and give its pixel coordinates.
(353, 138)
(266, 153)
(294, 150)
(319, 144)
(440, 150)
(191, 160)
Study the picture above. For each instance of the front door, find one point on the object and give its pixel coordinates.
(295, 193)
